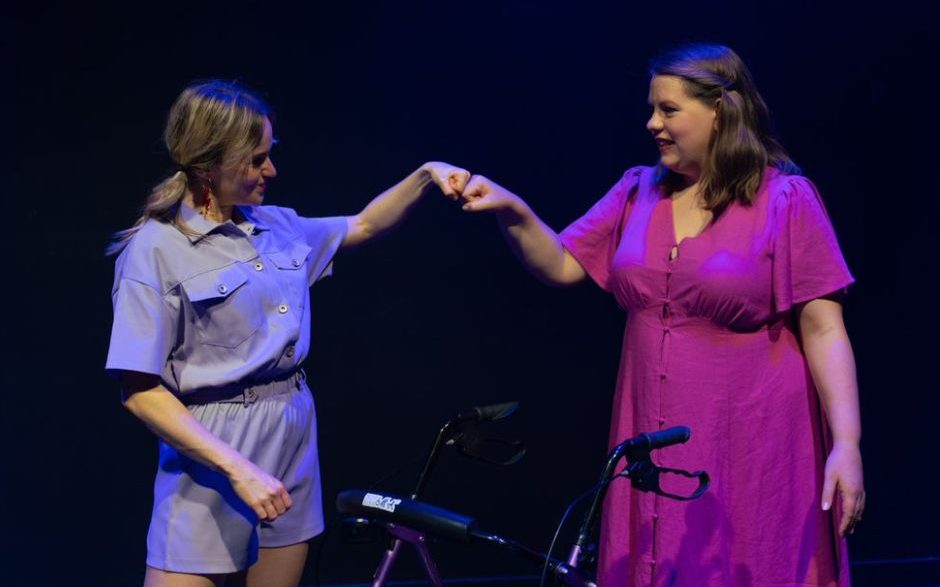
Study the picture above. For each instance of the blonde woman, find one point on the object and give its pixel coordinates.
(211, 324)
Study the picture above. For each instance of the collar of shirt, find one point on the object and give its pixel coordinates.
(202, 226)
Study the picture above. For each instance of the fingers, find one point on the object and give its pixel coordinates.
(475, 189)
(451, 180)
(852, 498)
(475, 194)
(285, 498)
(844, 472)
(270, 512)
(480, 194)
(269, 507)
(265, 494)
(859, 510)
(457, 181)
(848, 516)
(853, 504)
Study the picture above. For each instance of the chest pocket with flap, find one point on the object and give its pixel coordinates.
(225, 310)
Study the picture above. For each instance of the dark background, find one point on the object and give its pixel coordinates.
(548, 98)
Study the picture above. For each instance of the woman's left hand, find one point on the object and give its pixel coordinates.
(452, 180)
(844, 472)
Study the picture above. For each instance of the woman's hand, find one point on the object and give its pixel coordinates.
(829, 355)
(536, 245)
(452, 180)
(483, 194)
(844, 472)
(163, 413)
(263, 493)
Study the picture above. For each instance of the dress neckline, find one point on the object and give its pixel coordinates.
(675, 241)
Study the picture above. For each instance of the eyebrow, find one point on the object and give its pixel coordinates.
(262, 152)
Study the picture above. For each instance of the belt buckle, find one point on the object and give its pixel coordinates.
(250, 396)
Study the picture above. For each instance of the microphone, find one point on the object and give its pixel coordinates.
(487, 413)
(648, 441)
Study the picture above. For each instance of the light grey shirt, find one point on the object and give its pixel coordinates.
(228, 303)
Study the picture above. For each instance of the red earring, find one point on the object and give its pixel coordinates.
(207, 199)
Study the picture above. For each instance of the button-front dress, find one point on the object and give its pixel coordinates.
(711, 342)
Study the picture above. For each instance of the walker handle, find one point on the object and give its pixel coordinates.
(402, 511)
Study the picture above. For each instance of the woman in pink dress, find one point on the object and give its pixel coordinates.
(729, 271)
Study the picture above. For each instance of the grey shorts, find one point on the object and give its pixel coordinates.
(199, 525)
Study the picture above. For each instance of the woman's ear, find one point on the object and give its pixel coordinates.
(207, 177)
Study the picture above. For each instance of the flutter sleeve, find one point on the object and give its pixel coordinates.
(807, 261)
(593, 238)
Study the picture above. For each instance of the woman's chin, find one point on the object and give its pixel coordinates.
(687, 170)
(669, 162)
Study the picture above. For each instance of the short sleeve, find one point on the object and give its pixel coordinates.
(593, 238)
(143, 332)
(807, 261)
(323, 236)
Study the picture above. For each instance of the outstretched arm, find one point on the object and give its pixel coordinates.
(168, 418)
(832, 364)
(536, 245)
(390, 207)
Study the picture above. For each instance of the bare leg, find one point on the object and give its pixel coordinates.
(276, 567)
(159, 578)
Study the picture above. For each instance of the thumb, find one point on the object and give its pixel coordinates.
(479, 204)
(828, 492)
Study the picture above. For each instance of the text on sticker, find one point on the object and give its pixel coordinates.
(380, 502)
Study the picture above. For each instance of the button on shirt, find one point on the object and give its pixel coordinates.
(205, 304)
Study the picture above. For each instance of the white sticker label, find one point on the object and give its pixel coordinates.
(380, 502)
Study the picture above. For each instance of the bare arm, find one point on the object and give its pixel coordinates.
(536, 245)
(390, 207)
(832, 364)
(168, 418)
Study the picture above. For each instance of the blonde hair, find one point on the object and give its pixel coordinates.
(211, 123)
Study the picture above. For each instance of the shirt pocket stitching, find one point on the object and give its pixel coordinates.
(292, 258)
(220, 317)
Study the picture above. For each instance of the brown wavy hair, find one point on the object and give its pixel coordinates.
(211, 123)
(743, 145)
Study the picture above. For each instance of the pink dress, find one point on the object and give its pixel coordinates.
(711, 343)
